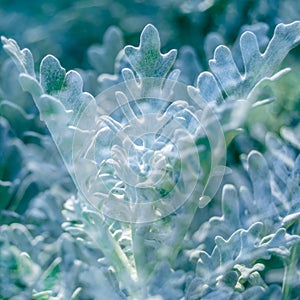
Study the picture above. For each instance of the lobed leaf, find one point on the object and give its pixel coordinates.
(146, 59)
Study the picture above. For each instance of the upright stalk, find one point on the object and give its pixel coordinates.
(291, 267)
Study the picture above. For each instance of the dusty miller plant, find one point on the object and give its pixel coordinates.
(182, 254)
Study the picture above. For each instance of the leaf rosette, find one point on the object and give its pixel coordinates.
(143, 149)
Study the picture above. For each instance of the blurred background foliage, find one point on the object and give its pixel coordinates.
(36, 253)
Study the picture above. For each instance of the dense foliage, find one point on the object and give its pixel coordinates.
(240, 243)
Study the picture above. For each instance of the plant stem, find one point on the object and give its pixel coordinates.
(112, 250)
(291, 268)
